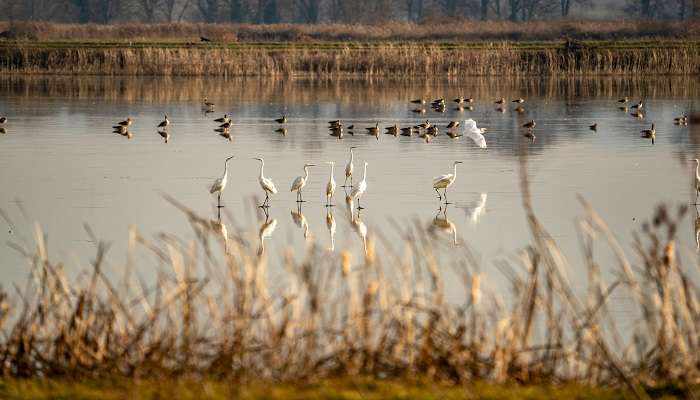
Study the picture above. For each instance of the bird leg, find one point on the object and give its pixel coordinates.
(697, 194)
(345, 183)
(445, 196)
(439, 195)
(218, 201)
(359, 207)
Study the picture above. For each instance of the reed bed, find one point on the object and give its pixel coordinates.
(568, 58)
(447, 29)
(214, 313)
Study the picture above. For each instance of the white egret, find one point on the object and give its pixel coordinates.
(358, 191)
(300, 182)
(349, 168)
(475, 209)
(697, 179)
(474, 133)
(265, 183)
(330, 186)
(445, 181)
(220, 183)
(164, 124)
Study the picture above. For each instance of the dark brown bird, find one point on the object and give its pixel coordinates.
(282, 120)
(530, 125)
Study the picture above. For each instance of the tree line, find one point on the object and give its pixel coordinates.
(324, 11)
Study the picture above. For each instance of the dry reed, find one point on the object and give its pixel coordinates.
(367, 61)
(213, 313)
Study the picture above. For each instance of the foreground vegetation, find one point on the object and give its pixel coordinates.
(212, 314)
(355, 388)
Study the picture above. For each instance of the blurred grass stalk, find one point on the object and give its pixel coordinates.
(214, 314)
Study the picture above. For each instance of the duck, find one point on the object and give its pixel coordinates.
(593, 127)
(649, 133)
(282, 120)
(530, 125)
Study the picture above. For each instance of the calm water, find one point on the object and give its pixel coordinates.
(61, 166)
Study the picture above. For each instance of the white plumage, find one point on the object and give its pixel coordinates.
(300, 181)
(445, 181)
(220, 183)
(330, 186)
(349, 168)
(475, 209)
(265, 183)
(474, 133)
(361, 187)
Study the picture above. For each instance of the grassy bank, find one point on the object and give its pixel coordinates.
(346, 389)
(451, 59)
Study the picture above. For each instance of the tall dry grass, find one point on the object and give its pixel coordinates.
(395, 31)
(385, 60)
(214, 313)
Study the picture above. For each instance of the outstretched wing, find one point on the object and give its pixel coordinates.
(470, 125)
(478, 138)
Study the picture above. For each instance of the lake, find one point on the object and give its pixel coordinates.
(62, 167)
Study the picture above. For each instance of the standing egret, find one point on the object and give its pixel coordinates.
(697, 180)
(474, 133)
(265, 183)
(300, 182)
(330, 186)
(445, 181)
(220, 183)
(349, 168)
(164, 124)
(358, 191)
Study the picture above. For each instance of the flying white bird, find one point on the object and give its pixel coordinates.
(474, 133)
(445, 181)
(300, 182)
(358, 191)
(220, 183)
(330, 186)
(265, 183)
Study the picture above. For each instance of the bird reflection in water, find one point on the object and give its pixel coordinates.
(361, 230)
(266, 230)
(475, 209)
(697, 229)
(441, 224)
(300, 221)
(220, 229)
(330, 224)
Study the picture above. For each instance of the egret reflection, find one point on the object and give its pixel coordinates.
(442, 224)
(300, 221)
(697, 229)
(220, 229)
(475, 209)
(266, 231)
(330, 224)
(361, 229)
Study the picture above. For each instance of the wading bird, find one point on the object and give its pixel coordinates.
(649, 133)
(282, 120)
(220, 183)
(697, 179)
(445, 181)
(474, 133)
(265, 183)
(223, 119)
(330, 186)
(349, 169)
(164, 124)
(126, 122)
(358, 191)
(638, 106)
(300, 182)
(208, 104)
(593, 127)
(530, 125)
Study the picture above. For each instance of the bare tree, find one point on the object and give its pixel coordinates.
(414, 10)
(236, 10)
(149, 8)
(208, 9)
(309, 10)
